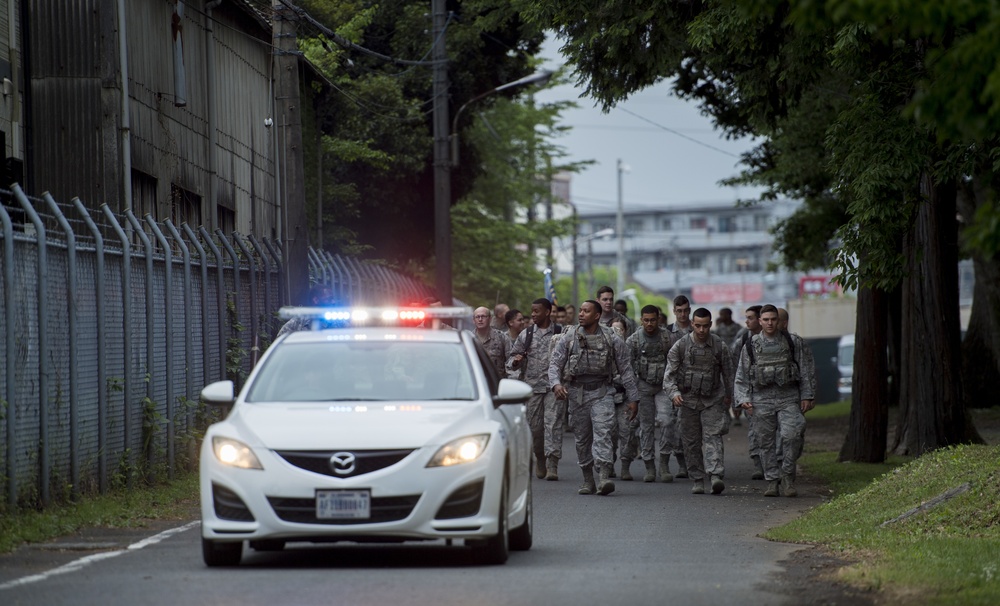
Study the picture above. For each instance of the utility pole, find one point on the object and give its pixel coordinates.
(288, 118)
(442, 159)
(620, 228)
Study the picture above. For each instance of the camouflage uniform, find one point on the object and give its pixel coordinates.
(497, 349)
(668, 416)
(741, 340)
(590, 362)
(542, 408)
(703, 375)
(727, 332)
(776, 384)
(649, 363)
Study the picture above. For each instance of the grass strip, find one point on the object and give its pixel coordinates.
(175, 500)
(947, 554)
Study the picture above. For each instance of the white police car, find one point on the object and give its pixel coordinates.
(369, 433)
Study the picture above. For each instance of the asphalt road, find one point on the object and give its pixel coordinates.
(644, 544)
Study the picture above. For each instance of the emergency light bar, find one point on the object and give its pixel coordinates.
(376, 315)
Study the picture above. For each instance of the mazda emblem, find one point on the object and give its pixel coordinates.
(342, 463)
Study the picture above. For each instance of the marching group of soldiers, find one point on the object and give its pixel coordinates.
(630, 391)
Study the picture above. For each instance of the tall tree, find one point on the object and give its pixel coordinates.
(765, 68)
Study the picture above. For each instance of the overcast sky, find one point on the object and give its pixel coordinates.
(674, 155)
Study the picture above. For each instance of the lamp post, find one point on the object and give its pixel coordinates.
(535, 78)
(442, 163)
(741, 264)
(620, 228)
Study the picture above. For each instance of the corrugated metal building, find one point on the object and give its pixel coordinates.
(197, 147)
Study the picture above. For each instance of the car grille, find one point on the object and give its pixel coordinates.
(462, 503)
(228, 506)
(383, 509)
(365, 461)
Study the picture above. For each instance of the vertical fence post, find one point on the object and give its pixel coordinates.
(74, 373)
(203, 262)
(168, 333)
(282, 296)
(102, 372)
(43, 347)
(126, 342)
(221, 292)
(189, 380)
(150, 336)
(347, 290)
(254, 326)
(268, 324)
(236, 287)
(9, 351)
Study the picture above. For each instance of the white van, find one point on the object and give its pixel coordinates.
(845, 365)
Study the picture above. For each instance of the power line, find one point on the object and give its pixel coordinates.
(678, 133)
(344, 42)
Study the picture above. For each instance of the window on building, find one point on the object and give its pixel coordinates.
(727, 225)
(633, 226)
(665, 224)
(698, 222)
(760, 222)
(227, 219)
(143, 194)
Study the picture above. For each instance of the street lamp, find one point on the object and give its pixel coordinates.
(535, 78)
(442, 164)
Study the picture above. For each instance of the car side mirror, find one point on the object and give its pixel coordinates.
(220, 393)
(511, 391)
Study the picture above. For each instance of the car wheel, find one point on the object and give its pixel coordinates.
(267, 545)
(495, 549)
(217, 553)
(522, 536)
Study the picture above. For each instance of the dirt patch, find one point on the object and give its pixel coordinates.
(810, 577)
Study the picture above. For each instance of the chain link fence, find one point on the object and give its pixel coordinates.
(112, 324)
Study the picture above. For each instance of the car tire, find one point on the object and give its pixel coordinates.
(217, 553)
(267, 545)
(522, 536)
(496, 549)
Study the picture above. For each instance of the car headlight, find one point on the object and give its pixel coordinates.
(462, 450)
(235, 453)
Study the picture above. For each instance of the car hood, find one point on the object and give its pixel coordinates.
(377, 425)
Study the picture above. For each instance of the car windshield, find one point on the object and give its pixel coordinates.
(364, 371)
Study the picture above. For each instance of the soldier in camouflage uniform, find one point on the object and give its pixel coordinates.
(515, 324)
(775, 382)
(699, 382)
(752, 316)
(492, 340)
(546, 416)
(590, 355)
(648, 350)
(667, 415)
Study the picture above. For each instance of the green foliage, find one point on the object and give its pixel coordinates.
(122, 508)
(946, 553)
(374, 119)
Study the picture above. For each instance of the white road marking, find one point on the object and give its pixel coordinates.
(97, 557)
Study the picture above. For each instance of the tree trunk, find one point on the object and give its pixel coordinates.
(869, 424)
(932, 411)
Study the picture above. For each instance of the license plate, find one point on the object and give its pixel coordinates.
(343, 504)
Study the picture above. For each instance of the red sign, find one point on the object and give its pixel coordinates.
(703, 294)
(817, 286)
